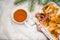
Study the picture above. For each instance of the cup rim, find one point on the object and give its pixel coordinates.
(17, 8)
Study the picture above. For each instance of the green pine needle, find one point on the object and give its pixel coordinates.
(19, 1)
(32, 3)
(39, 1)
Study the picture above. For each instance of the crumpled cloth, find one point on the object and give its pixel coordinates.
(12, 31)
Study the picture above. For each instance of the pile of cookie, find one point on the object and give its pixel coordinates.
(50, 18)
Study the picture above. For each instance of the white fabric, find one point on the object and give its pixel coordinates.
(13, 31)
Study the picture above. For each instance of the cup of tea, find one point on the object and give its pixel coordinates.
(19, 15)
(22, 15)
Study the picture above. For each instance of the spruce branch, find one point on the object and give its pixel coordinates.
(19, 1)
(32, 4)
